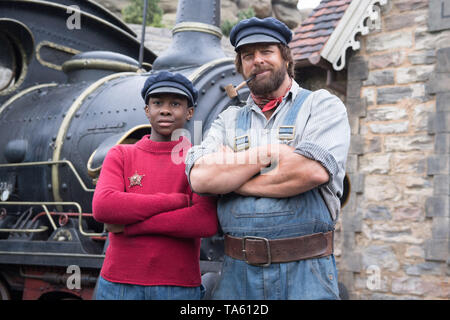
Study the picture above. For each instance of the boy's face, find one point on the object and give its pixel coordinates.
(166, 113)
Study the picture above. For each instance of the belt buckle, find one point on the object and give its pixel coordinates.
(269, 256)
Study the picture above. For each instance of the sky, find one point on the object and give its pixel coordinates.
(303, 4)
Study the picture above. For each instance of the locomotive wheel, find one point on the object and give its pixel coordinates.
(4, 292)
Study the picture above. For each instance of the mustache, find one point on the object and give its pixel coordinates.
(258, 70)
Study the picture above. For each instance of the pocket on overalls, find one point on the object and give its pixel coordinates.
(250, 207)
(232, 281)
(325, 273)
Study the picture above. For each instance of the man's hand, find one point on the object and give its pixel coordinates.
(225, 170)
(281, 156)
(288, 175)
(114, 228)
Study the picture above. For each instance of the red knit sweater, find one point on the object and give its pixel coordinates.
(163, 218)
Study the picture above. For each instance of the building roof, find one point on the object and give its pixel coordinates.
(310, 37)
(331, 29)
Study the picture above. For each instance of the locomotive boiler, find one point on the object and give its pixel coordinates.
(69, 91)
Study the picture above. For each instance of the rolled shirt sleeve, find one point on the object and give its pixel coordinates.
(326, 137)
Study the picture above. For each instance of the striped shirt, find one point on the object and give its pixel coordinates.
(322, 133)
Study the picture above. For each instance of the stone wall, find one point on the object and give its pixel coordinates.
(393, 237)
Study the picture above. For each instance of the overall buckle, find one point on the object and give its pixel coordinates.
(286, 133)
(241, 143)
(269, 256)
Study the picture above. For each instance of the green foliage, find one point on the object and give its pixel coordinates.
(227, 25)
(134, 12)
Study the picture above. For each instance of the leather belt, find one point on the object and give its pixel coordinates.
(263, 252)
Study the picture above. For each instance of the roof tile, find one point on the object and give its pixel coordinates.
(310, 37)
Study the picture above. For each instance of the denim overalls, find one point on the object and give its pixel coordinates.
(275, 218)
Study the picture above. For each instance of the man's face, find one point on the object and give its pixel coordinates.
(167, 112)
(264, 61)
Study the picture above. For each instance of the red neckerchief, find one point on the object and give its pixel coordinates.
(268, 103)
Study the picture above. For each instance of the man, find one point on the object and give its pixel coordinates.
(278, 164)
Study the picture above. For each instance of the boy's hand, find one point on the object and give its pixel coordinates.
(114, 228)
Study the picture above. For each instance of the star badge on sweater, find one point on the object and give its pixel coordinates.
(135, 179)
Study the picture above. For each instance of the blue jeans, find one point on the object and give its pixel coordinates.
(107, 290)
(311, 279)
(276, 218)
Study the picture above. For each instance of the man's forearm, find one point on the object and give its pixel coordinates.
(225, 171)
(293, 175)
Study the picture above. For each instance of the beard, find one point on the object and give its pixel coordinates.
(264, 87)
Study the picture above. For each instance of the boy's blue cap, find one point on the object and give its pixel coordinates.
(168, 82)
(255, 30)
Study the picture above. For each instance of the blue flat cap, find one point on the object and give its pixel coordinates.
(168, 82)
(255, 30)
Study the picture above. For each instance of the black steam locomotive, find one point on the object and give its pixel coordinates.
(70, 85)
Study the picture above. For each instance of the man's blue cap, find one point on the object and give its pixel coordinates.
(255, 30)
(168, 82)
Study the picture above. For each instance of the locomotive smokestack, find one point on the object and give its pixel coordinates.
(196, 36)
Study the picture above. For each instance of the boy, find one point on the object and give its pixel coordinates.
(145, 201)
